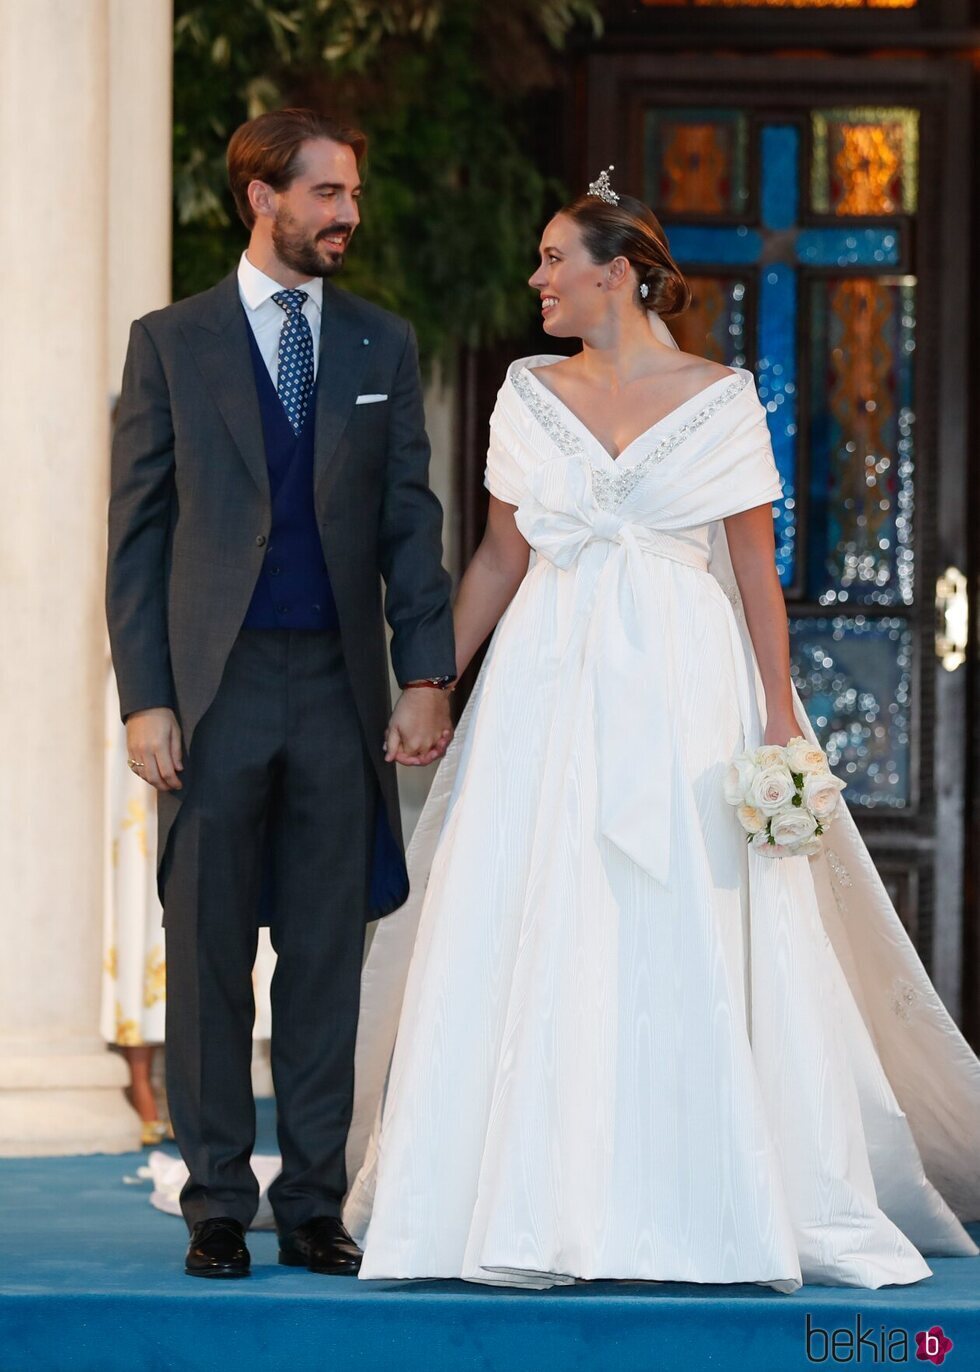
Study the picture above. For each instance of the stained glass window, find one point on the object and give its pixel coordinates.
(714, 325)
(784, 4)
(696, 161)
(795, 279)
(854, 676)
(862, 425)
(772, 293)
(865, 162)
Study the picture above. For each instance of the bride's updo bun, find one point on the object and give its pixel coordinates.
(630, 229)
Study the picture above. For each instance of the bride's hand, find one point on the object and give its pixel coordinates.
(780, 728)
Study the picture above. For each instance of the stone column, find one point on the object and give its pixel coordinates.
(140, 160)
(84, 134)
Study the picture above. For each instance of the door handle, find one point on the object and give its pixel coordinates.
(952, 618)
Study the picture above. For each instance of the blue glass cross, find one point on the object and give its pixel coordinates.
(779, 248)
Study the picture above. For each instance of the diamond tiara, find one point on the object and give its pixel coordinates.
(601, 187)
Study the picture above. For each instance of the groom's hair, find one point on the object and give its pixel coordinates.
(267, 149)
(630, 229)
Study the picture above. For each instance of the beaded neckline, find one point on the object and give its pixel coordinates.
(611, 488)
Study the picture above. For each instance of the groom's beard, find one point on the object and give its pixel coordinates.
(306, 254)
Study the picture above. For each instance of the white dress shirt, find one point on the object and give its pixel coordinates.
(267, 318)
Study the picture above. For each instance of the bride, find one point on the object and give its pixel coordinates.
(603, 1039)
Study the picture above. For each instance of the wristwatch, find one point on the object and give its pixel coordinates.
(438, 683)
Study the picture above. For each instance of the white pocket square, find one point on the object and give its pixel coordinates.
(370, 399)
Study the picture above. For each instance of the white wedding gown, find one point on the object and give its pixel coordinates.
(627, 1047)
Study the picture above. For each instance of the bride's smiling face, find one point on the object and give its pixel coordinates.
(569, 282)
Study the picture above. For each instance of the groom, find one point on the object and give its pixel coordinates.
(269, 468)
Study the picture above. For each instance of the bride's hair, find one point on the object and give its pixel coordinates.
(630, 229)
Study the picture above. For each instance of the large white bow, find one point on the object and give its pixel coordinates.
(629, 620)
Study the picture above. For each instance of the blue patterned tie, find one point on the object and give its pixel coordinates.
(295, 357)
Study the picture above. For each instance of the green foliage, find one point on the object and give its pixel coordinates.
(453, 200)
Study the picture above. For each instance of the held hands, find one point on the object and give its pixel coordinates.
(420, 729)
(154, 748)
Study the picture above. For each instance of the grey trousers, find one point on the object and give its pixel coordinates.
(277, 768)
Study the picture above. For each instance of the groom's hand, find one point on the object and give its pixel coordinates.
(153, 741)
(420, 729)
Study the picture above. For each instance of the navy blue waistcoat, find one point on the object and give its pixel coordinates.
(293, 590)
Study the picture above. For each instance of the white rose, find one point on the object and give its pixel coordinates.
(808, 849)
(738, 779)
(772, 788)
(804, 756)
(768, 755)
(793, 828)
(751, 818)
(821, 795)
(760, 842)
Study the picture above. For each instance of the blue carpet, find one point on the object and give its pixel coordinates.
(90, 1281)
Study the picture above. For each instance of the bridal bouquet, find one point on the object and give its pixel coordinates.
(784, 797)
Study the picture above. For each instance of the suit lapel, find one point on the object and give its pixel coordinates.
(219, 343)
(345, 345)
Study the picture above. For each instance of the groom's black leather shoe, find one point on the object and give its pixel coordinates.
(322, 1245)
(217, 1249)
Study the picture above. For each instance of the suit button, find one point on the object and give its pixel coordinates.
(283, 609)
(260, 541)
(274, 571)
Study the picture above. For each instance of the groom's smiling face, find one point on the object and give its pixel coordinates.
(314, 218)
